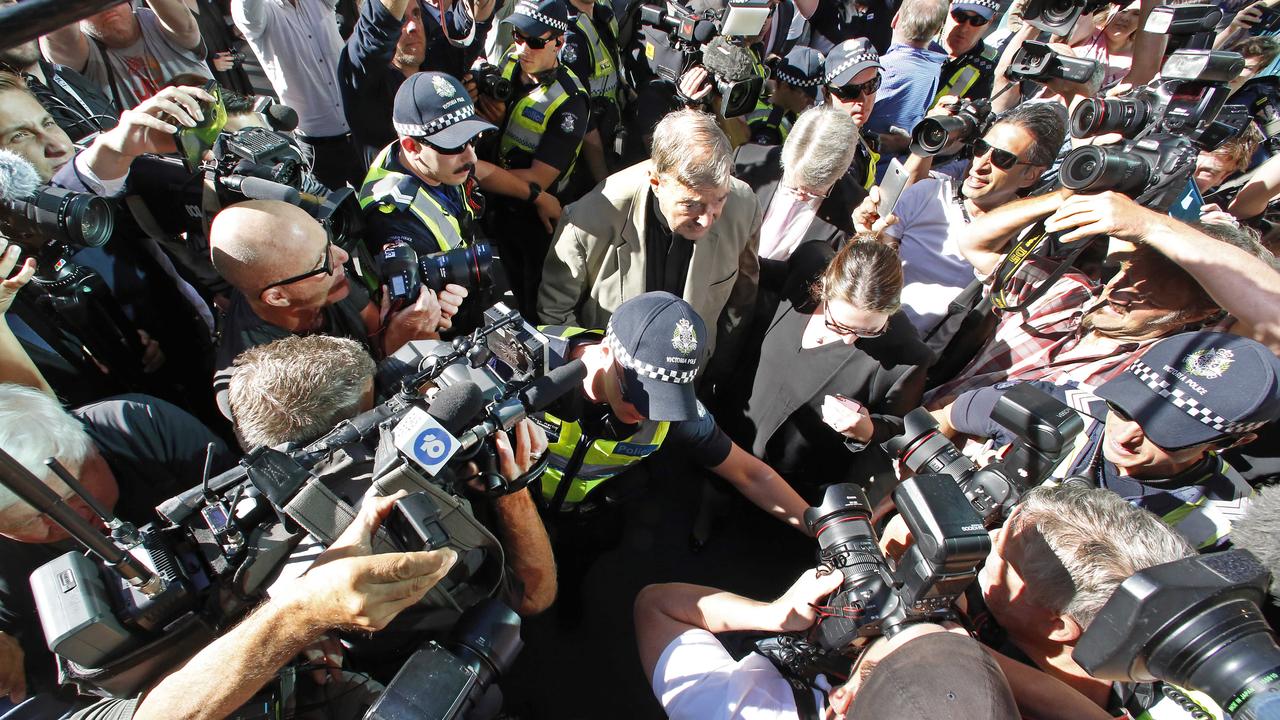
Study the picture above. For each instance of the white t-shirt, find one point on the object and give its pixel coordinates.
(934, 271)
(697, 679)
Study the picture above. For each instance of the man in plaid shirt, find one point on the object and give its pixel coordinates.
(1077, 331)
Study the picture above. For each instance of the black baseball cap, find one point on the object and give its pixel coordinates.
(802, 67)
(986, 8)
(436, 107)
(1198, 387)
(849, 58)
(659, 342)
(536, 17)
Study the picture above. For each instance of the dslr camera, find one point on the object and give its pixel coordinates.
(1196, 623)
(403, 271)
(1038, 62)
(718, 40)
(932, 134)
(1057, 17)
(489, 81)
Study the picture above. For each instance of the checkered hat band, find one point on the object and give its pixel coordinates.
(989, 4)
(682, 377)
(796, 81)
(850, 62)
(530, 10)
(1189, 405)
(435, 126)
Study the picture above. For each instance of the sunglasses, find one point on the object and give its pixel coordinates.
(843, 331)
(1002, 159)
(326, 267)
(451, 151)
(535, 43)
(974, 19)
(853, 92)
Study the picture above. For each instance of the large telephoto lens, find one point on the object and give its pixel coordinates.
(1094, 169)
(925, 450)
(932, 134)
(1096, 116)
(846, 540)
(77, 218)
(468, 267)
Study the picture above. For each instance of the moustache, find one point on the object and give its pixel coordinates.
(469, 168)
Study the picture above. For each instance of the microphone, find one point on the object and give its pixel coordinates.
(455, 405)
(18, 177)
(703, 31)
(537, 396)
(260, 189)
(282, 118)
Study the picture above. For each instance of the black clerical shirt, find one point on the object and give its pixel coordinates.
(666, 254)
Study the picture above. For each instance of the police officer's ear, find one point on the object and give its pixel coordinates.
(409, 144)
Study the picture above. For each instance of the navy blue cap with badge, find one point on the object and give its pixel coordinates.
(535, 18)
(849, 58)
(803, 67)
(985, 8)
(435, 107)
(1199, 387)
(659, 342)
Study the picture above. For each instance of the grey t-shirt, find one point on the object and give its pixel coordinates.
(133, 74)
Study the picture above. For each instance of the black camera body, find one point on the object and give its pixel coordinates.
(1038, 62)
(1045, 429)
(1057, 17)
(970, 122)
(718, 39)
(490, 82)
(403, 271)
(1194, 622)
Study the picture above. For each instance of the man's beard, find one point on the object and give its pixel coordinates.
(405, 60)
(1166, 324)
(21, 57)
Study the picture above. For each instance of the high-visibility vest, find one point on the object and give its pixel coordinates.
(967, 75)
(391, 191)
(585, 462)
(874, 160)
(767, 118)
(527, 120)
(603, 82)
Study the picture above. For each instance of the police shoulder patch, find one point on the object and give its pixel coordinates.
(569, 53)
(568, 122)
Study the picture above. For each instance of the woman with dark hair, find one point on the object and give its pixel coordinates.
(839, 366)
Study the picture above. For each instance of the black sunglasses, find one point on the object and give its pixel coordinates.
(535, 43)
(974, 19)
(326, 267)
(853, 92)
(451, 151)
(1002, 159)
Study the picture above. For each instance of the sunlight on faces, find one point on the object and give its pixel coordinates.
(27, 129)
(844, 321)
(115, 27)
(987, 185)
(959, 38)
(690, 212)
(434, 167)
(1127, 447)
(411, 49)
(858, 108)
(316, 291)
(1135, 305)
(536, 61)
(24, 523)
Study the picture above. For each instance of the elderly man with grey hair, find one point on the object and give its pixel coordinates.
(678, 222)
(130, 452)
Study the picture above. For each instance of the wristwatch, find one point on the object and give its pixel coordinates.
(534, 191)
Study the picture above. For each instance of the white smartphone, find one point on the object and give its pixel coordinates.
(891, 187)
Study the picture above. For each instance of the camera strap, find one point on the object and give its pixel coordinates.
(1023, 249)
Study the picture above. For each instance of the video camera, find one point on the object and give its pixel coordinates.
(1196, 623)
(718, 40)
(1057, 17)
(146, 599)
(947, 508)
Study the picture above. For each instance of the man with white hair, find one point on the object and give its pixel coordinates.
(678, 222)
(129, 452)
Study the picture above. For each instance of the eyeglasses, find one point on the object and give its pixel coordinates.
(326, 267)
(451, 151)
(974, 19)
(853, 92)
(843, 331)
(1002, 159)
(535, 43)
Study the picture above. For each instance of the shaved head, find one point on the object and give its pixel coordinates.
(257, 242)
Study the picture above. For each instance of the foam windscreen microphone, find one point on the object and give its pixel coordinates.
(456, 406)
(18, 177)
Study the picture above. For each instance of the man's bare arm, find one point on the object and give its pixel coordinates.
(1148, 48)
(987, 238)
(519, 527)
(67, 46)
(177, 22)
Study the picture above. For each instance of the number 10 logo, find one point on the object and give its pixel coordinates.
(432, 446)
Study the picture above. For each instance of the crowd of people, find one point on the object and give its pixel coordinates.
(763, 289)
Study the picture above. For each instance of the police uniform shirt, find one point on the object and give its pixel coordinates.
(577, 51)
(558, 147)
(666, 254)
(383, 226)
(986, 67)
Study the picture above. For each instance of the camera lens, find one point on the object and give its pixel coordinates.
(1097, 169)
(468, 267)
(78, 218)
(1096, 116)
(934, 133)
(925, 450)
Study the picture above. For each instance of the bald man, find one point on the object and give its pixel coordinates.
(289, 279)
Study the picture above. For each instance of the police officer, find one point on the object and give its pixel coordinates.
(591, 52)
(852, 77)
(541, 131)
(796, 79)
(970, 69)
(638, 396)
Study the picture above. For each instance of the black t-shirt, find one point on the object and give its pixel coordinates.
(667, 254)
(155, 450)
(75, 103)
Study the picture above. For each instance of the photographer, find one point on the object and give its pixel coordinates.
(933, 214)
(290, 279)
(347, 587)
(296, 389)
(1179, 278)
(926, 670)
(1147, 444)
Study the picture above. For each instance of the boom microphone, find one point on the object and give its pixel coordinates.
(18, 177)
(259, 189)
(456, 405)
(536, 397)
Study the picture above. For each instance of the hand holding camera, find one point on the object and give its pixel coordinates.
(9, 286)
(148, 128)
(1108, 213)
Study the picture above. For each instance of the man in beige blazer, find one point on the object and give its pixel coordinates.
(682, 204)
